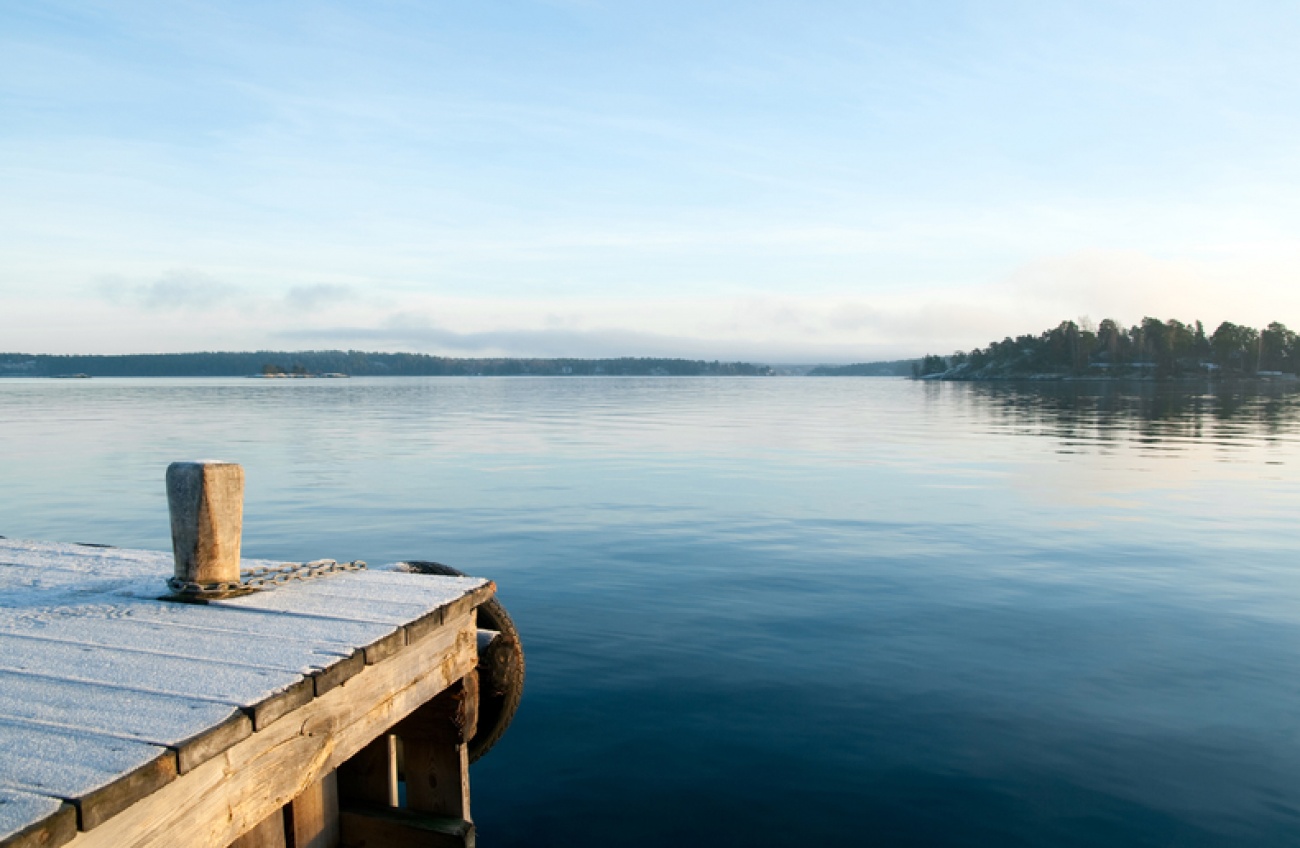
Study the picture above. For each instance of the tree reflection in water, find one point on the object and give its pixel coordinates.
(1154, 416)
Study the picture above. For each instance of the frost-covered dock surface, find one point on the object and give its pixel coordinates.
(129, 720)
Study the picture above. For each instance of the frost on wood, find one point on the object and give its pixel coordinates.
(18, 809)
(101, 679)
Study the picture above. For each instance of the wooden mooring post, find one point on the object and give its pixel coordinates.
(206, 503)
(244, 719)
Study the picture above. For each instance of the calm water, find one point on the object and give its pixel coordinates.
(769, 611)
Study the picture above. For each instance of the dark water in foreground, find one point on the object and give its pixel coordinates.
(777, 611)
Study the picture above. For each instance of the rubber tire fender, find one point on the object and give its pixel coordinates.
(500, 664)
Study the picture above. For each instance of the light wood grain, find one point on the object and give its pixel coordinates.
(314, 814)
(269, 833)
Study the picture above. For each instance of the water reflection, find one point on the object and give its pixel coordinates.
(1155, 417)
(916, 613)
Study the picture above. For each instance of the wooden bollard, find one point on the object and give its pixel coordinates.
(206, 501)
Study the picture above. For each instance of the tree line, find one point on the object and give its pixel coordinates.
(354, 363)
(1152, 347)
(892, 368)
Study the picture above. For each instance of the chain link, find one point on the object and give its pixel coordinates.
(264, 577)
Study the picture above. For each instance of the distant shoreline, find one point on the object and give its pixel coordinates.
(337, 363)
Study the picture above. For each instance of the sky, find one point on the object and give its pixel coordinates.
(773, 181)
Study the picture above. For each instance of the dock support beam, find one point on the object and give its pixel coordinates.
(435, 739)
(436, 770)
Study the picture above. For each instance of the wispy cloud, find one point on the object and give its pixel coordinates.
(311, 298)
(186, 289)
(776, 330)
(176, 290)
(401, 333)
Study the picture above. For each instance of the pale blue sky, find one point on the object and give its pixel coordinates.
(779, 181)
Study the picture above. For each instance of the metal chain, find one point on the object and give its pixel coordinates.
(264, 577)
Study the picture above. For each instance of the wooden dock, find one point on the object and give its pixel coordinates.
(270, 718)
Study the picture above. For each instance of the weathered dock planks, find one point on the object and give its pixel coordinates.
(234, 792)
(196, 730)
(128, 720)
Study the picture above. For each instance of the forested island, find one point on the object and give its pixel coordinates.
(1151, 349)
(353, 363)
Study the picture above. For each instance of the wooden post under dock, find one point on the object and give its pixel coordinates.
(254, 719)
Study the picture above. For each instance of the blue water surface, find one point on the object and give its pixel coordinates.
(786, 610)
